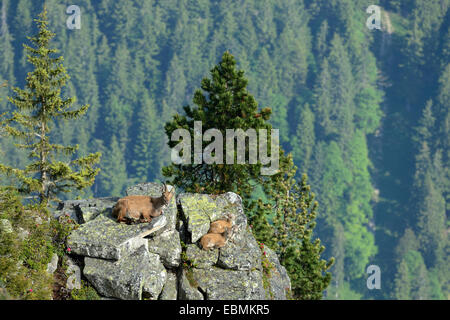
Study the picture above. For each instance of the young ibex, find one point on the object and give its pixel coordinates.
(218, 234)
(138, 209)
(213, 241)
(220, 226)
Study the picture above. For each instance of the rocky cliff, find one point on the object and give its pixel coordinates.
(163, 260)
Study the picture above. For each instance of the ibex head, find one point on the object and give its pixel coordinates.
(167, 195)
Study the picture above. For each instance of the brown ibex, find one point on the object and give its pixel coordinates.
(141, 208)
(219, 233)
(212, 241)
(220, 226)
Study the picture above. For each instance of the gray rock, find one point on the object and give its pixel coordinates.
(104, 238)
(202, 259)
(199, 210)
(279, 280)
(222, 284)
(170, 291)
(53, 264)
(187, 288)
(167, 246)
(5, 226)
(83, 211)
(140, 275)
(155, 190)
(74, 275)
(241, 253)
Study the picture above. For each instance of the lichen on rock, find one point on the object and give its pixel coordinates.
(140, 275)
(167, 246)
(105, 238)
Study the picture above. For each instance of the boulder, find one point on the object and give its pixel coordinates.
(140, 275)
(74, 275)
(167, 246)
(199, 210)
(53, 264)
(222, 284)
(83, 211)
(104, 238)
(240, 253)
(187, 288)
(170, 290)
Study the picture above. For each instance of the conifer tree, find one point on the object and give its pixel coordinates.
(37, 107)
(402, 280)
(227, 105)
(293, 224)
(113, 178)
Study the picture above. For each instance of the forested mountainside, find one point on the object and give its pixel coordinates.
(364, 112)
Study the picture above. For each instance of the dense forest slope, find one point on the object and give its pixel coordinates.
(364, 112)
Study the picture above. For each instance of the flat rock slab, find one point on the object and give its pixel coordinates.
(139, 275)
(200, 210)
(83, 211)
(104, 238)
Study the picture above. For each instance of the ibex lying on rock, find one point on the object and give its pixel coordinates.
(212, 241)
(220, 226)
(218, 234)
(134, 209)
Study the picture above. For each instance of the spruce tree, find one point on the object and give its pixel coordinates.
(37, 107)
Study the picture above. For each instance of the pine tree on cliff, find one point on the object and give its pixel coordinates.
(230, 106)
(226, 105)
(37, 107)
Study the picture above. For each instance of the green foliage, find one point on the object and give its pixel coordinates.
(61, 230)
(267, 268)
(293, 224)
(412, 280)
(86, 292)
(26, 250)
(186, 262)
